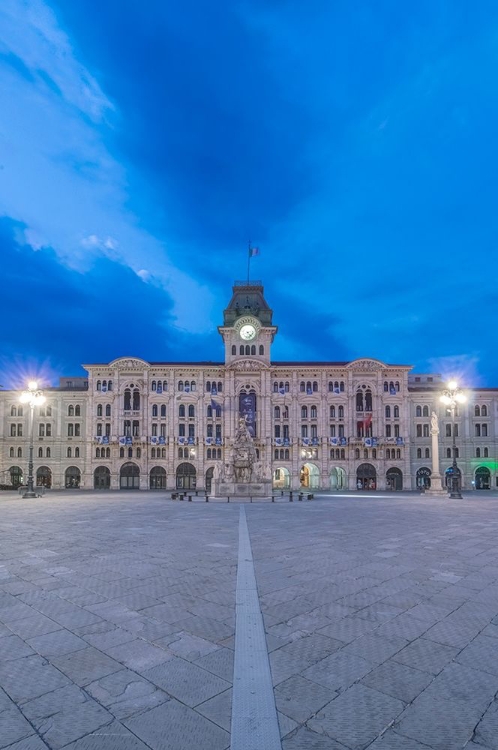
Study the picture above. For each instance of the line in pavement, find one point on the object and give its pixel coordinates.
(254, 715)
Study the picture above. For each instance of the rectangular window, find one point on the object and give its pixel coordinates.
(210, 430)
(314, 431)
(332, 430)
(341, 431)
(77, 429)
(388, 430)
(181, 430)
(426, 430)
(99, 429)
(12, 430)
(127, 428)
(396, 429)
(191, 430)
(108, 429)
(277, 430)
(304, 430)
(485, 430)
(286, 432)
(218, 431)
(136, 428)
(163, 430)
(70, 430)
(154, 430)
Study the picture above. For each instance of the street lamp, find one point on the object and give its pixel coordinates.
(34, 397)
(452, 396)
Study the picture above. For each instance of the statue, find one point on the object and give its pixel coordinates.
(434, 424)
(243, 453)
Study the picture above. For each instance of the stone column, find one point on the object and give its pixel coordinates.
(436, 487)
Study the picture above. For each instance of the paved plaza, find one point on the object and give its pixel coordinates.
(118, 622)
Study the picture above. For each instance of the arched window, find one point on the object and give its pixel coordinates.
(153, 453)
(153, 385)
(386, 386)
(478, 453)
(396, 412)
(163, 410)
(368, 400)
(97, 453)
(388, 454)
(248, 349)
(276, 412)
(426, 430)
(477, 411)
(374, 452)
(208, 386)
(486, 453)
(275, 387)
(359, 401)
(302, 386)
(11, 453)
(286, 454)
(77, 411)
(313, 412)
(99, 385)
(136, 400)
(304, 412)
(427, 453)
(130, 452)
(154, 410)
(484, 430)
(396, 385)
(70, 411)
(69, 453)
(315, 386)
(419, 452)
(448, 452)
(108, 410)
(13, 411)
(341, 386)
(484, 411)
(139, 453)
(220, 387)
(40, 452)
(356, 452)
(425, 412)
(341, 412)
(209, 412)
(365, 453)
(241, 349)
(48, 453)
(77, 452)
(253, 349)
(261, 350)
(478, 430)
(191, 410)
(121, 452)
(332, 412)
(398, 452)
(127, 400)
(193, 386)
(109, 385)
(388, 412)
(234, 350)
(419, 430)
(181, 410)
(208, 453)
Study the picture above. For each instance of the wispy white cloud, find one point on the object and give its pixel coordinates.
(58, 177)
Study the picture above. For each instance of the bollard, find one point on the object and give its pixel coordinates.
(250, 499)
(281, 493)
(228, 499)
(190, 498)
(207, 498)
(300, 496)
(182, 496)
(291, 499)
(273, 499)
(310, 497)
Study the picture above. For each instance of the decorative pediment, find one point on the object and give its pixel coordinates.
(366, 365)
(130, 363)
(248, 365)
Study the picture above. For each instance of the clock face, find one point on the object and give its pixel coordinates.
(247, 332)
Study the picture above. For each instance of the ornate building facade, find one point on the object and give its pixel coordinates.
(143, 425)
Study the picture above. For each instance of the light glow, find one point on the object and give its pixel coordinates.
(453, 385)
(33, 385)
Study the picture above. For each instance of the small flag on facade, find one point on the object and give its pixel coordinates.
(253, 251)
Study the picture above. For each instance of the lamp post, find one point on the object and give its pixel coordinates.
(452, 396)
(33, 397)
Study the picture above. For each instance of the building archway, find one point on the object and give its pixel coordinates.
(366, 477)
(281, 478)
(185, 477)
(72, 477)
(209, 479)
(338, 478)
(102, 478)
(157, 478)
(394, 479)
(16, 476)
(482, 478)
(44, 477)
(309, 476)
(129, 477)
(448, 477)
(424, 478)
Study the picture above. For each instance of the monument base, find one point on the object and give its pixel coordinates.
(436, 493)
(245, 489)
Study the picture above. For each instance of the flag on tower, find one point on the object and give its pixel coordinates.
(253, 251)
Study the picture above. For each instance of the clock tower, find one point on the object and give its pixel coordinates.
(247, 329)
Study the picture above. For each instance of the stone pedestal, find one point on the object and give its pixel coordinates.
(262, 488)
(436, 487)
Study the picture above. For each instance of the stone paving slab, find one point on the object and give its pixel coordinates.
(369, 603)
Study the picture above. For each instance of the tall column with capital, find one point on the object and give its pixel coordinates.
(436, 487)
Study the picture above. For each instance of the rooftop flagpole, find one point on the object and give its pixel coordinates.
(248, 260)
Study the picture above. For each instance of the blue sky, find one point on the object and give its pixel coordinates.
(143, 144)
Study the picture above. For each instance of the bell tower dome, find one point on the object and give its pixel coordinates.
(247, 329)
